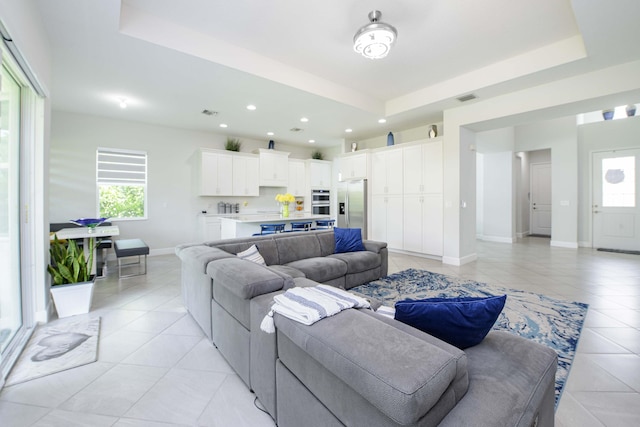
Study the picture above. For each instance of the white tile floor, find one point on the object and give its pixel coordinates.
(155, 368)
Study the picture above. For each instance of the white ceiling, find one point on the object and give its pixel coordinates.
(292, 58)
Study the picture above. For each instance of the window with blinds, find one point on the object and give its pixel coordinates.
(121, 177)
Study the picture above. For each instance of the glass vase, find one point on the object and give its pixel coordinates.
(285, 210)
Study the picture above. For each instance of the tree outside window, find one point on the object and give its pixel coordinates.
(122, 183)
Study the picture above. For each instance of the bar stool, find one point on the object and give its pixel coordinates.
(271, 228)
(324, 224)
(301, 226)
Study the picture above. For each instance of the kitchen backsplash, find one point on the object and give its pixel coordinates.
(266, 202)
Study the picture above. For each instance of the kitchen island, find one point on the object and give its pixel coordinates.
(247, 225)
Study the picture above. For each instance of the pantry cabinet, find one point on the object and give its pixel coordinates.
(387, 171)
(423, 224)
(353, 166)
(386, 220)
(319, 172)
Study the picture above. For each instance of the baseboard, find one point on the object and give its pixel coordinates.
(164, 251)
(499, 239)
(584, 244)
(417, 254)
(460, 261)
(570, 245)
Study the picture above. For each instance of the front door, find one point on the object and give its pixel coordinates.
(616, 210)
(541, 199)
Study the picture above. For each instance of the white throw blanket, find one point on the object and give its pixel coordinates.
(308, 305)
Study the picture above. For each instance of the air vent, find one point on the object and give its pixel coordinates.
(466, 98)
(296, 130)
(209, 113)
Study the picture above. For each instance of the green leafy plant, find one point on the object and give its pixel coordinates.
(233, 144)
(317, 154)
(68, 263)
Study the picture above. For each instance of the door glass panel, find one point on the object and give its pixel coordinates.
(619, 182)
(10, 290)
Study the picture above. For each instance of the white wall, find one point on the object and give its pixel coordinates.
(593, 137)
(559, 135)
(173, 203)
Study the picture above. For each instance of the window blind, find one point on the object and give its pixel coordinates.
(120, 167)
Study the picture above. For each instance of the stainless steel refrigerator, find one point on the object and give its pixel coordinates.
(352, 205)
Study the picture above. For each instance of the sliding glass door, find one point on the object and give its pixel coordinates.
(10, 283)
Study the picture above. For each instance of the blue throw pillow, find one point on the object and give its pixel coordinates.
(348, 240)
(463, 322)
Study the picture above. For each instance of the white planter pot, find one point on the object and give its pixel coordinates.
(74, 298)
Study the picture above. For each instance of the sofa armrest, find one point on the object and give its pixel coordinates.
(374, 246)
(244, 278)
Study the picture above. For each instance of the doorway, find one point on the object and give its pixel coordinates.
(615, 206)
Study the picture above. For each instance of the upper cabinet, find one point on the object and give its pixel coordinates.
(297, 178)
(245, 175)
(274, 168)
(353, 166)
(216, 173)
(386, 171)
(319, 172)
(423, 168)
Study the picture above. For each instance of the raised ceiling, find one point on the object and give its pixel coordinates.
(292, 59)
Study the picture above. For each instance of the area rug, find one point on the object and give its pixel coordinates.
(56, 347)
(549, 321)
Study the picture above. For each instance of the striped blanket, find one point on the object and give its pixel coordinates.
(308, 305)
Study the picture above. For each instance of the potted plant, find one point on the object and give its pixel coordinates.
(233, 144)
(317, 155)
(71, 279)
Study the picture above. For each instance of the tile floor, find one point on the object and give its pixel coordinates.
(155, 368)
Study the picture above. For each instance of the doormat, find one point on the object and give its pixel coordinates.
(545, 320)
(619, 251)
(56, 347)
(539, 235)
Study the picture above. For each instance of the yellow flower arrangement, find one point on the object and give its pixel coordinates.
(285, 198)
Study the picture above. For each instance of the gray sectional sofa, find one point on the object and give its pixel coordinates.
(356, 368)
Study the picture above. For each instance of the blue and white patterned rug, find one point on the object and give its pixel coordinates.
(549, 321)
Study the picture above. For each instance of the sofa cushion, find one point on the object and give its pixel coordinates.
(320, 269)
(404, 395)
(265, 244)
(348, 240)
(463, 321)
(297, 246)
(358, 261)
(199, 256)
(327, 242)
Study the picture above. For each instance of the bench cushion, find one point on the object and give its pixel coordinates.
(130, 247)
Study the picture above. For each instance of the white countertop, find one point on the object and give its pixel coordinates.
(250, 218)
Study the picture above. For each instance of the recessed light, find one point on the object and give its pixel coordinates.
(348, 130)
(382, 121)
(312, 141)
(304, 120)
(270, 133)
(251, 107)
(223, 125)
(123, 103)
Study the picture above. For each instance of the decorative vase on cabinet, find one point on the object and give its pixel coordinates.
(390, 140)
(631, 110)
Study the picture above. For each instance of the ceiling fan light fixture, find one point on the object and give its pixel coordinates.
(375, 39)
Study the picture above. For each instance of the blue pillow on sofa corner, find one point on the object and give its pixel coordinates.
(348, 240)
(463, 322)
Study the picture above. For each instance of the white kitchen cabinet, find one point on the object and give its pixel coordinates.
(319, 172)
(297, 178)
(423, 224)
(245, 175)
(353, 166)
(274, 168)
(216, 173)
(386, 220)
(387, 171)
(209, 228)
(423, 171)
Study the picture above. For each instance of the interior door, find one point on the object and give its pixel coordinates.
(541, 199)
(616, 214)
